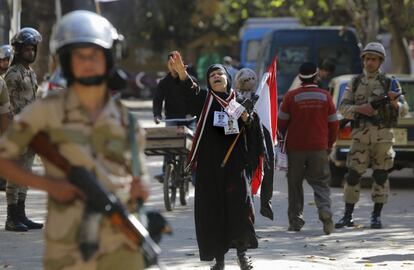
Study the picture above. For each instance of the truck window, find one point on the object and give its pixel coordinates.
(252, 50)
(340, 55)
(290, 58)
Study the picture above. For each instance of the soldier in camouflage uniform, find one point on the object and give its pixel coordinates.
(5, 55)
(22, 87)
(89, 129)
(372, 133)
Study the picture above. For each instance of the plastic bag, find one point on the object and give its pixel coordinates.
(281, 163)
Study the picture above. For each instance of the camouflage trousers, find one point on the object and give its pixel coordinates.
(121, 258)
(16, 192)
(378, 156)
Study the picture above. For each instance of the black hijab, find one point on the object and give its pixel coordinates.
(214, 67)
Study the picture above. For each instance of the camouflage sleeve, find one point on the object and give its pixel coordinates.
(403, 108)
(14, 86)
(347, 107)
(141, 146)
(403, 105)
(24, 127)
(4, 98)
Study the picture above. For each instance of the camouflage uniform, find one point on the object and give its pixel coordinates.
(371, 142)
(102, 148)
(4, 109)
(4, 97)
(22, 87)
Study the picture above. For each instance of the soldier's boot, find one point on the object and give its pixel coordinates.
(376, 222)
(346, 220)
(219, 265)
(376, 216)
(326, 218)
(12, 222)
(244, 262)
(23, 218)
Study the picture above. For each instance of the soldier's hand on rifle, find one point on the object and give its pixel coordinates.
(138, 189)
(394, 98)
(365, 109)
(63, 191)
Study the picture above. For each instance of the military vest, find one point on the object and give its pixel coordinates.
(387, 116)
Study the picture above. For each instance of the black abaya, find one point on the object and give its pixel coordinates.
(223, 205)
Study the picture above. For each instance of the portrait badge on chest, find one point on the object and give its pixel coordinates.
(232, 126)
(220, 119)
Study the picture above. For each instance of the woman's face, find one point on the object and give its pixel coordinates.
(218, 80)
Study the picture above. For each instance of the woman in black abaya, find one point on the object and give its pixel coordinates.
(224, 213)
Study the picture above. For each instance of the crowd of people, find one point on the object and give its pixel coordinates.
(88, 128)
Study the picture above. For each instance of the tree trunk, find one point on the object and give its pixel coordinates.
(4, 22)
(372, 21)
(399, 52)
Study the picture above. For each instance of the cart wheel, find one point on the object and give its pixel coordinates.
(184, 190)
(170, 189)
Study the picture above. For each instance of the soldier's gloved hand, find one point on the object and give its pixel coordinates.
(365, 109)
(157, 119)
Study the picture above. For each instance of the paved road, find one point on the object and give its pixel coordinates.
(348, 249)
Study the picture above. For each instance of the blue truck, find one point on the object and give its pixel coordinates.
(252, 32)
(293, 46)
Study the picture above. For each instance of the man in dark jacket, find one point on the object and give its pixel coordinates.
(174, 90)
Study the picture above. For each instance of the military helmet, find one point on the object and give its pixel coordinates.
(6, 51)
(374, 48)
(83, 27)
(246, 80)
(26, 36)
(78, 29)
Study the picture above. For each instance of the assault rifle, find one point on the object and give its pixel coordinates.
(376, 104)
(99, 198)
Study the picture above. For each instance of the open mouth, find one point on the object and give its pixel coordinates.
(217, 81)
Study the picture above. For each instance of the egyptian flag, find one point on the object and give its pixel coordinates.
(266, 108)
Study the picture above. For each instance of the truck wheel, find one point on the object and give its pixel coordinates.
(337, 174)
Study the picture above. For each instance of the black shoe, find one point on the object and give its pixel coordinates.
(345, 221)
(13, 223)
(244, 262)
(21, 213)
(266, 211)
(296, 226)
(292, 228)
(376, 222)
(218, 266)
(326, 219)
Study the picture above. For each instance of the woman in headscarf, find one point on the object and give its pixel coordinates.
(224, 214)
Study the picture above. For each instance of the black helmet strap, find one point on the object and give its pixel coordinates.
(91, 81)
